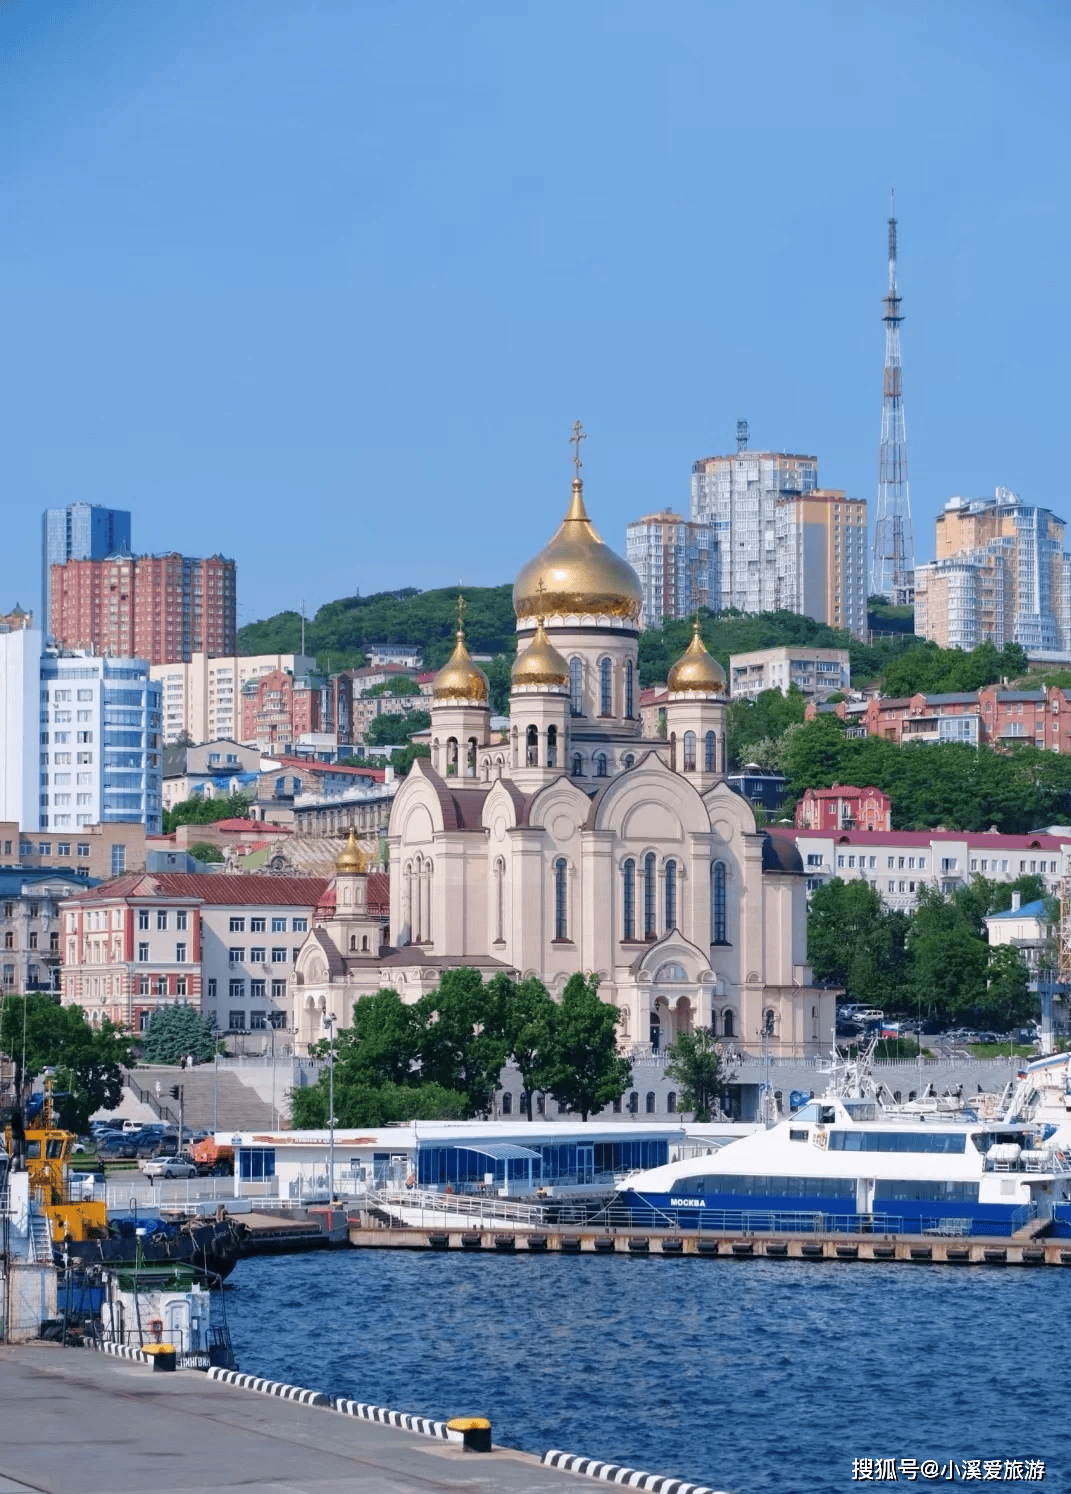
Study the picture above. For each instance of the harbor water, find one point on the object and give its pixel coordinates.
(756, 1377)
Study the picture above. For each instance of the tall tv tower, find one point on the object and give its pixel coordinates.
(893, 567)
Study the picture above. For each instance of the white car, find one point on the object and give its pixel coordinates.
(168, 1167)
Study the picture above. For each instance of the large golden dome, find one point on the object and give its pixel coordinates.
(541, 663)
(459, 681)
(581, 574)
(353, 861)
(696, 671)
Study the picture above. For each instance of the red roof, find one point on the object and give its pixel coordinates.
(983, 839)
(216, 889)
(310, 765)
(252, 827)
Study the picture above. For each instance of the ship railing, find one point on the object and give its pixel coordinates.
(1029, 1161)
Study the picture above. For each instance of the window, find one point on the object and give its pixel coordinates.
(258, 954)
(161, 918)
(180, 985)
(606, 682)
(671, 1103)
(257, 925)
(629, 689)
(561, 919)
(83, 848)
(814, 859)
(143, 954)
(650, 1106)
(45, 848)
(237, 925)
(709, 753)
(278, 955)
(300, 925)
(601, 766)
(650, 897)
(671, 895)
(719, 921)
(578, 765)
(237, 989)
(278, 925)
(161, 985)
(840, 860)
(256, 990)
(258, 1021)
(180, 954)
(689, 751)
(531, 748)
(64, 848)
(236, 955)
(576, 686)
(628, 892)
(236, 1023)
(851, 860)
(181, 918)
(727, 1024)
(278, 990)
(212, 988)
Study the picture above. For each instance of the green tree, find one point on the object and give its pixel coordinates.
(176, 1031)
(1007, 1002)
(204, 850)
(527, 1026)
(384, 731)
(37, 1033)
(693, 1059)
(757, 727)
(461, 1047)
(202, 811)
(360, 1104)
(854, 940)
(586, 1072)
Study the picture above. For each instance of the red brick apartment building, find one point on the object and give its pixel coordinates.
(843, 807)
(163, 608)
(278, 709)
(990, 716)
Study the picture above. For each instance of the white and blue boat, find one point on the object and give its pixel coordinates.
(848, 1164)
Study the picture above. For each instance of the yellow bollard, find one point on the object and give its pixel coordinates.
(476, 1431)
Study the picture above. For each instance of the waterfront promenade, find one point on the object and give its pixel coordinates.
(79, 1422)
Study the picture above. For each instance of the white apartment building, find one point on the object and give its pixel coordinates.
(671, 556)
(20, 684)
(815, 671)
(202, 699)
(899, 863)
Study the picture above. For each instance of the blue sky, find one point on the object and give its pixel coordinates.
(323, 286)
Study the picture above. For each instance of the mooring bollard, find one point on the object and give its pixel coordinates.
(163, 1356)
(476, 1431)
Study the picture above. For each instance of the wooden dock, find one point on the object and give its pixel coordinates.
(950, 1250)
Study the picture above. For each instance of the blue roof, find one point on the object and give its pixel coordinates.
(1036, 909)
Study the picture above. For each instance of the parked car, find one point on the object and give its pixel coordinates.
(168, 1167)
(82, 1186)
(119, 1150)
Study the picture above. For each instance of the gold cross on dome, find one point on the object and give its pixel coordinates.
(542, 589)
(574, 441)
(460, 612)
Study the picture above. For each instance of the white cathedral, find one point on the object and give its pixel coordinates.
(574, 842)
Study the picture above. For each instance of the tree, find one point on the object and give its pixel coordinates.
(176, 1031)
(202, 811)
(384, 731)
(37, 1033)
(526, 1023)
(361, 1104)
(854, 940)
(204, 850)
(461, 1047)
(1007, 1001)
(586, 1073)
(694, 1060)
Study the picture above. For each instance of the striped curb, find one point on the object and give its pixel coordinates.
(124, 1351)
(610, 1473)
(418, 1424)
(270, 1387)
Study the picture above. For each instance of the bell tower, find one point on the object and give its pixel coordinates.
(696, 715)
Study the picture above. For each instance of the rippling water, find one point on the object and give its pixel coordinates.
(746, 1375)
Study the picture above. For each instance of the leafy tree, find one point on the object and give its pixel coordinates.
(757, 728)
(401, 684)
(37, 1033)
(694, 1060)
(362, 1104)
(177, 1031)
(586, 1073)
(854, 940)
(527, 1025)
(1007, 1001)
(382, 1045)
(202, 811)
(934, 670)
(204, 850)
(461, 1048)
(402, 760)
(387, 730)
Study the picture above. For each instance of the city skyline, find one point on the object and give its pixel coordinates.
(266, 308)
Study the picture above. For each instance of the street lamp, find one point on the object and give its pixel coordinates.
(329, 1020)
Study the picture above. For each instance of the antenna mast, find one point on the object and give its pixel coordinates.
(893, 564)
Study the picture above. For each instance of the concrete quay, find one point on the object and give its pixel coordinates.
(79, 1422)
(952, 1250)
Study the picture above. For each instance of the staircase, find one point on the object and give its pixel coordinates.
(40, 1238)
(237, 1108)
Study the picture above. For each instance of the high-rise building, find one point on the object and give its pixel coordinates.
(164, 608)
(736, 497)
(82, 531)
(671, 556)
(20, 684)
(821, 557)
(203, 699)
(1000, 575)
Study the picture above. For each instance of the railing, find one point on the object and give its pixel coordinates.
(147, 1097)
(473, 1207)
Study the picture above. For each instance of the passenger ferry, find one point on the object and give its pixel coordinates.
(1043, 1099)
(845, 1163)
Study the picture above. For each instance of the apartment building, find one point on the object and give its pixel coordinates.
(992, 716)
(211, 770)
(164, 608)
(1000, 575)
(225, 943)
(821, 559)
(202, 696)
(20, 749)
(899, 863)
(81, 531)
(30, 907)
(364, 807)
(278, 709)
(94, 851)
(816, 672)
(844, 807)
(671, 556)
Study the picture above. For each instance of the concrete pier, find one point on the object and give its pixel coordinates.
(79, 1422)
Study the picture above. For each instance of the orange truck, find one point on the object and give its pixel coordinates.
(211, 1158)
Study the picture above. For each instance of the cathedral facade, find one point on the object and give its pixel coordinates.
(573, 842)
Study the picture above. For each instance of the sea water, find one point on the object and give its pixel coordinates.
(748, 1376)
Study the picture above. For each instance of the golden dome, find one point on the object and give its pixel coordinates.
(582, 575)
(696, 671)
(541, 663)
(353, 860)
(459, 681)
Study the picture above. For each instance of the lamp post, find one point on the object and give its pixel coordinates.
(329, 1022)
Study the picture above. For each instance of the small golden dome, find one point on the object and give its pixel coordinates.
(541, 663)
(583, 576)
(696, 671)
(459, 681)
(353, 860)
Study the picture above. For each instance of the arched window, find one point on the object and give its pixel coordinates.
(628, 893)
(629, 677)
(500, 900)
(650, 1102)
(689, 751)
(768, 1020)
(540, 1104)
(671, 1103)
(578, 765)
(606, 688)
(561, 910)
(673, 751)
(507, 1103)
(353, 942)
(601, 766)
(576, 686)
(727, 1024)
(451, 757)
(655, 1032)
(531, 739)
(718, 920)
(710, 749)
(364, 943)
(633, 1103)
(470, 759)
(435, 756)
(628, 760)
(516, 759)
(671, 895)
(552, 746)
(650, 896)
